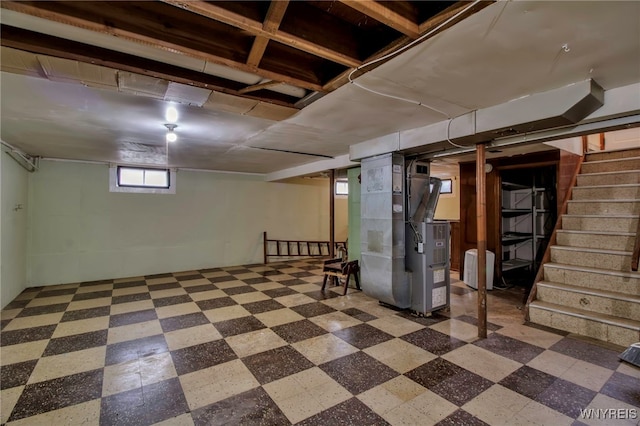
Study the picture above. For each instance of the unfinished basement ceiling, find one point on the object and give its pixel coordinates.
(260, 86)
(277, 51)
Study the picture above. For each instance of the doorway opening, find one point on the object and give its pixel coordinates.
(528, 213)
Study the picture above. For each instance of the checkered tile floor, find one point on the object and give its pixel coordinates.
(263, 345)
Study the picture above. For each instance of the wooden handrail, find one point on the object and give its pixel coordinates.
(552, 240)
(635, 256)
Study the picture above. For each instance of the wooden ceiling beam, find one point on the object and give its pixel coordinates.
(449, 12)
(257, 51)
(37, 43)
(276, 11)
(342, 78)
(259, 86)
(385, 15)
(213, 11)
(153, 42)
(271, 23)
(424, 27)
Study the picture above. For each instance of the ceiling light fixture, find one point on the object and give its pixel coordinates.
(171, 114)
(171, 136)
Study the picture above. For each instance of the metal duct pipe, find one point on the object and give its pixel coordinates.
(567, 105)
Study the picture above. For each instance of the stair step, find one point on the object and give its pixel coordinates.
(603, 207)
(596, 239)
(587, 289)
(609, 178)
(609, 155)
(602, 301)
(611, 223)
(626, 191)
(589, 277)
(614, 260)
(608, 328)
(611, 165)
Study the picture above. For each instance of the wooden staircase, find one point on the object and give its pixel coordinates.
(587, 287)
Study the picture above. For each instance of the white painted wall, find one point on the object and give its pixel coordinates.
(13, 228)
(80, 231)
(620, 139)
(573, 145)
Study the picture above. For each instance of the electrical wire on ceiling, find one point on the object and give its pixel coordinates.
(402, 49)
(449, 134)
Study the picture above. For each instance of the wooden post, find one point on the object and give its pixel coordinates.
(481, 210)
(332, 215)
(602, 142)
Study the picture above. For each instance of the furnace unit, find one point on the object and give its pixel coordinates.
(405, 253)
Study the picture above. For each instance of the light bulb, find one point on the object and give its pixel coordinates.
(172, 114)
(171, 136)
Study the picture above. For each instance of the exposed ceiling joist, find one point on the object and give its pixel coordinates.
(309, 45)
(260, 86)
(275, 15)
(213, 11)
(141, 38)
(449, 12)
(385, 15)
(423, 28)
(53, 46)
(257, 51)
(271, 23)
(342, 78)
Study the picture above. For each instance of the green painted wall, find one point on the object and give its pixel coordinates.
(79, 231)
(13, 258)
(354, 214)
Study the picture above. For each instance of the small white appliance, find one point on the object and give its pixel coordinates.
(471, 268)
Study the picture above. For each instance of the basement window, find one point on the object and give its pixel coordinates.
(342, 187)
(141, 180)
(447, 186)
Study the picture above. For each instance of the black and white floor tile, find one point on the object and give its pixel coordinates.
(261, 344)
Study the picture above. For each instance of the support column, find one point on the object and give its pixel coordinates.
(481, 210)
(332, 213)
